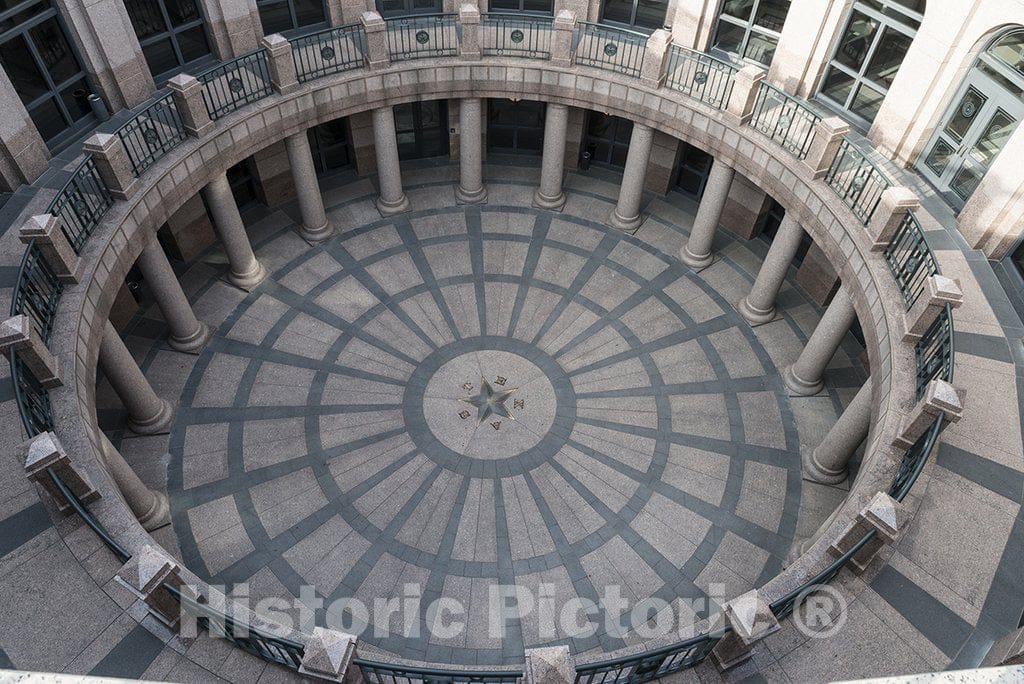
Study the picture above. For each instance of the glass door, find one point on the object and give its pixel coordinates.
(970, 136)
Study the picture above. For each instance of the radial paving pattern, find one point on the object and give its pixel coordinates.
(337, 430)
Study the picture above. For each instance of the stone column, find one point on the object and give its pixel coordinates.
(392, 199)
(188, 334)
(626, 215)
(23, 154)
(471, 188)
(697, 252)
(315, 226)
(234, 26)
(827, 462)
(246, 272)
(149, 507)
(549, 195)
(804, 377)
(759, 306)
(148, 414)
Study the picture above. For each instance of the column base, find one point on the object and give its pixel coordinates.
(811, 470)
(249, 281)
(158, 515)
(400, 206)
(753, 315)
(194, 343)
(542, 201)
(320, 234)
(799, 387)
(627, 225)
(463, 196)
(697, 262)
(160, 424)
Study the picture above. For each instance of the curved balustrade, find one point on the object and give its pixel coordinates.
(516, 35)
(83, 201)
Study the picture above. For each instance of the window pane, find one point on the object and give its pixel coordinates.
(55, 51)
(963, 117)
(193, 43)
(160, 57)
(275, 17)
(966, 181)
(28, 81)
(837, 86)
(309, 12)
(867, 102)
(618, 10)
(539, 6)
(48, 119)
(391, 7)
(76, 99)
(729, 37)
(181, 11)
(651, 13)
(738, 8)
(885, 62)
(938, 158)
(856, 41)
(1010, 51)
(504, 4)
(771, 14)
(623, 130)
(427, 5)
(761, 48)
(993, 138)
(146, 18)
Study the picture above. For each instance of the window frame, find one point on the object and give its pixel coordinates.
(293, 14)
(631, 24)
(501, 10)
(171, 32)
(748, 27)
(408, 9)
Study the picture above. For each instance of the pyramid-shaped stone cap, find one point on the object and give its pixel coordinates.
(146, 570)
(42, 451)
(942, 395)
(751, 617)
(945, 290)
(887, 515)
(14, 331)
(552, 665)
(328, 654)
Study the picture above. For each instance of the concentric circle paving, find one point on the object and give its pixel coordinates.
(468, 397)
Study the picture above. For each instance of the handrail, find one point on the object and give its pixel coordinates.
(85, 199)
(329, 51)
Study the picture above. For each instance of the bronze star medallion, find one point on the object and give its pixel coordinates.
(489, 402)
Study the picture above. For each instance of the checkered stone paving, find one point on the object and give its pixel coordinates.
(330, 434)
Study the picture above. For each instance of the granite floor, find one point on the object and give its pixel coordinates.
(352, 426)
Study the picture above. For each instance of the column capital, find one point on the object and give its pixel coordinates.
(746, 85)
(187, 94)
(18, 333)
(940, 399)
(112, 164)
(939, 291)
(564, 26)
(145, 575)
(48, 234)
(328, 655)
(552, 665)
(377, 54)
(652, 73)
(751, 619)
(828, 134)
(282, 64)
(43, 452)
(469, 41)
(893, 205)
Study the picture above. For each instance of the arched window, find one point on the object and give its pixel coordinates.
(870, 52)
(979, 120)
(749, 29)
(282, 16)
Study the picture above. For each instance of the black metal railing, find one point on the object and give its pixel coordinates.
(421, 36)
(81, 203)
(785, 605)
(235, 83)
(329, 52)
(785, 119)
(31, 397)
(914, 460)
(649, 665)
(396, 673)
(609, 47)
(152, 133)
(700, 76)
(36, 292)
(910, 259)
(857, 181)
(515, 35)
(934, 352)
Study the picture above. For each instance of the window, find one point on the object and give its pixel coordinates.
(329, 142)
(532, 6)
(282, 16)
(422, 129)
(515, 127)
(749, 29)
(645, 15)
(694, 167)
(172, 34)
(874, 43)
(45, 71)
(397, 8)
(606, 139)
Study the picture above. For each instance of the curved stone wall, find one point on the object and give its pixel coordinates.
(118, 240)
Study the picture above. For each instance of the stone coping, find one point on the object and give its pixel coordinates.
(119, 238)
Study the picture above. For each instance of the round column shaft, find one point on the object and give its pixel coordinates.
(697, 252)
(149, 507)
(626, 215)
(805, 376)
(188, 334)
(471, 188)
(245, 271)
(148, 414)
(392, 199)
(759, 306)
(556, 123)
(827, 463)
(315, 226)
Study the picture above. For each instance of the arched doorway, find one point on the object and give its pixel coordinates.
(979, 120)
